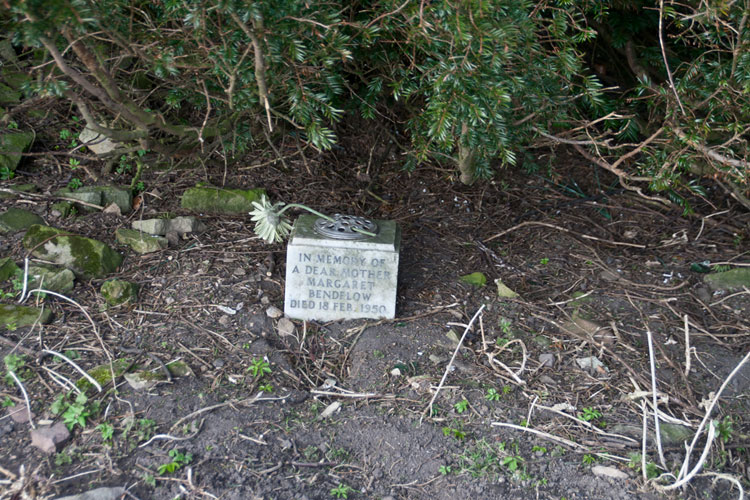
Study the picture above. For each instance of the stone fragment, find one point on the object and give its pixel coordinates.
(453, 337)
(120, 196)
(8, 95)
(211, 199)
(180, 369)
(12, 144)
(17, 219)
(84, 256)
(105, 493)
(151, 226)
(338, 279)
(674, 434)
(609, 276)
(18, 188)
(116, 292)
(53, 279)
(606, 471)
(96, 142)
(86, 197)
(8, 268)
(103, 373)
(186, 224)
(61, 208)
(592, 365)
(143, 380)
(141, 243)
(14, 316)
(285, 327)
(112, 209)
(274, 312)
(734, 279)
(503, 291)
(547, 359)
(49, 438)
(20, 414)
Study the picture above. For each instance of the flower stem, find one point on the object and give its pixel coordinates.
(324, 216)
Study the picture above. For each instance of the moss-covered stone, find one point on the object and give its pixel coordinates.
(84, 256)
(8, 269)
(20, 188)
(8, 95)
(51, 278)
(140, 242)
(674, 434)
(14, 316)
(17, 219)
(16, 79)
(180, 369)
(86, 197)
(116, 292)
(103, 373)
(122, 197)
(65, 208)
(733, 279)
(221, 201)
(12, 144)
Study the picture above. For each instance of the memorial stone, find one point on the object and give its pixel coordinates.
(335, 273)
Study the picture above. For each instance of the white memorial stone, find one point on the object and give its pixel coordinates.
(331, 279)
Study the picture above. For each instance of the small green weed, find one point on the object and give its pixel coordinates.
(17, 364)
(540, 449)
(341, 491)
(74, 164)
(7, 402)
(589, 459)
(452, 431)
(505, 325)
(74, 183)
(492, 395)
(544, 261)
(6, 173)
(589, 414)
(149, 479)
(179, 459)
(259, 367)
(107, 430)
(75, 412)
(461, 406)
(445, 470)
(266, 388)
(724, 429)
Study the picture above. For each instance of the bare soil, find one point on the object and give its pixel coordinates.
(572, 245)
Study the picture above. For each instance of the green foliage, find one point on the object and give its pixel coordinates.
(461, 406)
(75, 411)
(341, 491)
(259, 367)
(178, 460)
(15, 363)
(492, 395)
(472, 82)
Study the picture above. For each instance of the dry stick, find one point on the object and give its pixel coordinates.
(80, 370)
(687, 347)
(655, 397)
(546, 435)
(25, 396)
(711, 431)
(644, 439)
(664, 56)
(450, 363)
(552, 226)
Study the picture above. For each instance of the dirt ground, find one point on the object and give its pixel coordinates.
(344, 411)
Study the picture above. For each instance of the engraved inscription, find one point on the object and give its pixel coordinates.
(340, 283)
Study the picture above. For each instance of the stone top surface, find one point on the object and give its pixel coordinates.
(388, 238)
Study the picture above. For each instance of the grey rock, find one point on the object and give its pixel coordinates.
(547, 380)
(17, 219)
(120, 196)
(90, 197)
(703, 293)
(20, 414)
(17, 316)
(285, 327)
(141, 243)
(208, 199)
(96, 142)
(53, 279)
(547, 359)
(609, 276)
(187, 224)
(151, 226)
(116, 292)
(734, 279)
(274, 312)
(604, 471)
(49, 438)
(13, 142)
(142, 381)
(113, 493)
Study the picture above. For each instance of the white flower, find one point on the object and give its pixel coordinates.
(270, 224)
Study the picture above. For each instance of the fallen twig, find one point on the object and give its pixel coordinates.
(450, 363)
